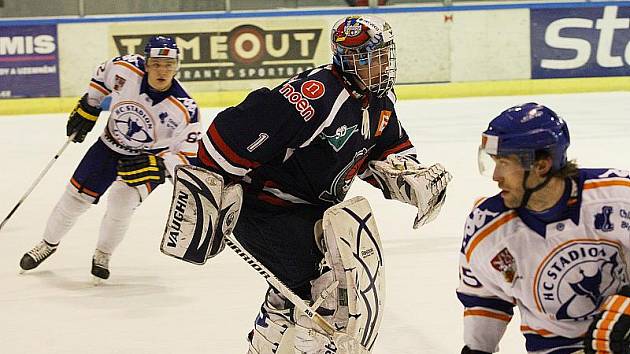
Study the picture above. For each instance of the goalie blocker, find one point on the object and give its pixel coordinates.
(202, 212)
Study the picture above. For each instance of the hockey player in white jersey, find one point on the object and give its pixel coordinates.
(555, 243)
(153, 127)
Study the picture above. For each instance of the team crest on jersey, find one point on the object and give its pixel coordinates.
(132, 124)
(602, 220)
(576, 277)
(342, 134)
(504, 262)
(341, 184)
(119, 82)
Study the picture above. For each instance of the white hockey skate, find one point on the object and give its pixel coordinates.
(100, 266)
(33, 258)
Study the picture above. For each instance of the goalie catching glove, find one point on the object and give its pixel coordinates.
(610, 331)
(404, 179)
(82, 120)
(141, 169)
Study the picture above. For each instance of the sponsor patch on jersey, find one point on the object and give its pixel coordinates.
(313, 89)
(574, 279)
(602, 220)
(342, 134)
(382, 122)
(301, 104)
(119, 82)
(504, 262)
(131, 124)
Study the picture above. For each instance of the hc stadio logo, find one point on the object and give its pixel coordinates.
(131, 124)
(577, 277)
(580, 42)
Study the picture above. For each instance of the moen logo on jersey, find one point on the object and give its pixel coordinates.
(132, 125)
(340, 138)
(302, 105)
(312, 89)
(577, 276)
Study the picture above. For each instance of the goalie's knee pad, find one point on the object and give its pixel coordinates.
(274, 326)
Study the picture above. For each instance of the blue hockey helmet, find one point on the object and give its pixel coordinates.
(523, 131)
(161, 47)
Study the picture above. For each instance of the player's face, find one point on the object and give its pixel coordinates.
(373, 69)
(161, 72)
(509, 174)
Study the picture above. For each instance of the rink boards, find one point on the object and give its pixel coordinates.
(442, 51)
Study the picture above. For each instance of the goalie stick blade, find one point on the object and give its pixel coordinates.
(192, 219)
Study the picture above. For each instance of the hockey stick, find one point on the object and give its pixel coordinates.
(39, 178)
(340, 339)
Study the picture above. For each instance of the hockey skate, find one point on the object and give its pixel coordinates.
(100, 266)
(33, 258)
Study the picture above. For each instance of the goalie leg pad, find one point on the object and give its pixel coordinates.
(195, 226)
(273, 331)
(353, 252)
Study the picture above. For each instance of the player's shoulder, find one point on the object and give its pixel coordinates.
(180, 98)
(131, 63)
(604, 181)
(312, 93)
(488, 216)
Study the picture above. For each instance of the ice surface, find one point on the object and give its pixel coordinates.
(155, 304)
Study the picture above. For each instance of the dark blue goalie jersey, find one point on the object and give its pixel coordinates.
(304, 141)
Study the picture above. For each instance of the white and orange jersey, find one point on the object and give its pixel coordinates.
(557, 267)
(144, 120)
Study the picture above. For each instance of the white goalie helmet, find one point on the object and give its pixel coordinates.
(363, 47)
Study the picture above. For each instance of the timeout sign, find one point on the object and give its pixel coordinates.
(245, 52)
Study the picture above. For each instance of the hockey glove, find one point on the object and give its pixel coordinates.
(141, 169)
(404, 179)
(82, 120)
(610, 330)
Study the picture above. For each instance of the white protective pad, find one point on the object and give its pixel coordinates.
(354, 253)
(404, 179)
(196, 221)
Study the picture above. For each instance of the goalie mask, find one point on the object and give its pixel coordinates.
(364, 51)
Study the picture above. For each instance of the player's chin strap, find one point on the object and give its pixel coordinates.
(530, 191)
